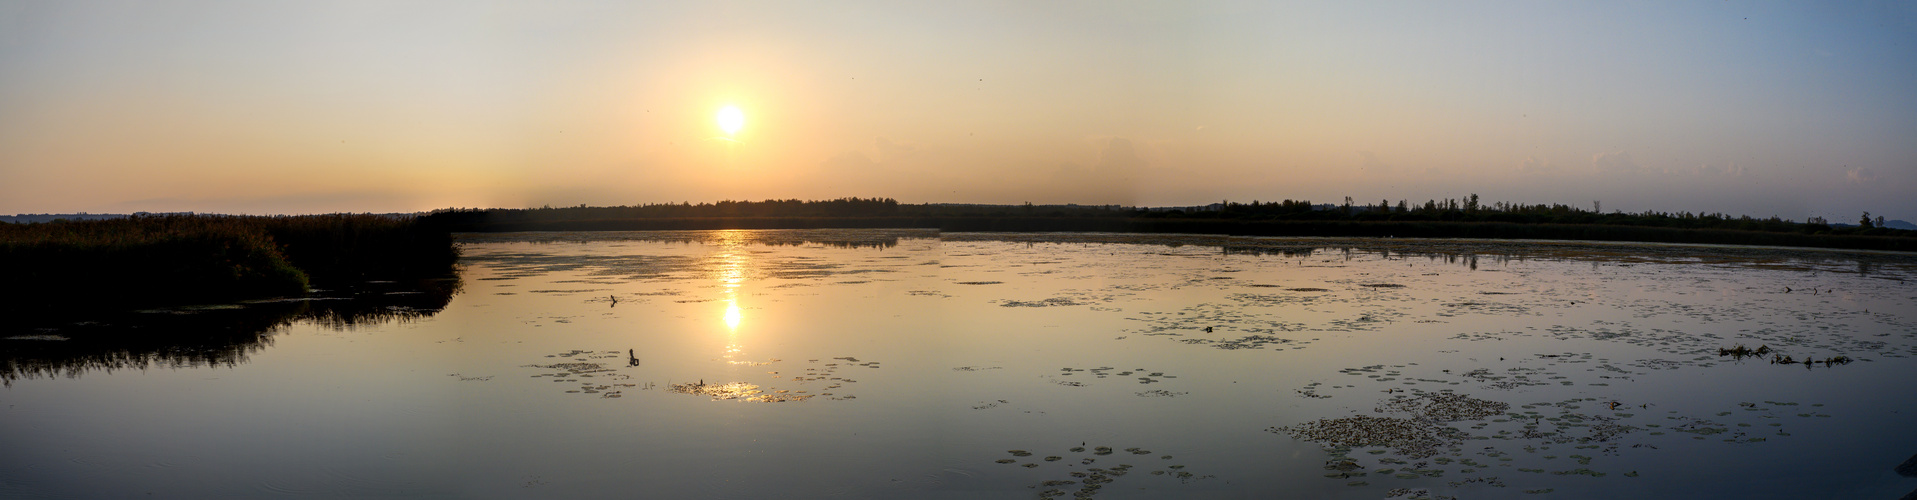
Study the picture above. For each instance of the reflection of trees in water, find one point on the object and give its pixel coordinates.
(192, 338)
(889, 243)
(835, 238)
(212, 338)
(1298, 252)
(387, 303)
(1468, 253)
(1463, 252)
(1471, 253)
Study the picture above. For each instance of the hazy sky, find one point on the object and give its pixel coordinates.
(1788, 109)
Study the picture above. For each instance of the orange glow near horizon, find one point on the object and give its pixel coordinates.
(1149, 105)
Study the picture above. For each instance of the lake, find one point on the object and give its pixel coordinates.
(915, 364)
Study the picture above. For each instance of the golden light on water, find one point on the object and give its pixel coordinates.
(731, 274)
(732, 315)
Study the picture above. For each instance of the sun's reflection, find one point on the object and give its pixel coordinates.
(731, 274)
(732, 316)
(732, 269)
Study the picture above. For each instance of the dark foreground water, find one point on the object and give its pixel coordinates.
(908, 364)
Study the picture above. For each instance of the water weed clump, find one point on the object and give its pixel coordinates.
(1410, 437)
(733, 391)
(607, 382)
(1089, 481)
(1445, 406)
(1142, 375)
(604, 381)
(1808, 361)
(1741, 352)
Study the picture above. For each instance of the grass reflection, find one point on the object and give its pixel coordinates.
(205, 336)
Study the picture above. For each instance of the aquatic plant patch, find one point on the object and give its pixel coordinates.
(1084, 471)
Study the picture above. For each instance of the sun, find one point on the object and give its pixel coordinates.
(731, 119)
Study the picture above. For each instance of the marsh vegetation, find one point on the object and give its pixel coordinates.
(77, 266)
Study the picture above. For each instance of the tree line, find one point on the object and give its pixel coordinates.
(870, 211)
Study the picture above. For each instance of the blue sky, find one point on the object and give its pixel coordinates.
(1787, 109)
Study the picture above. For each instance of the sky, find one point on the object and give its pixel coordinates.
(1789, 109)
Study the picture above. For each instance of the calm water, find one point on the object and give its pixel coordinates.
(906, 364)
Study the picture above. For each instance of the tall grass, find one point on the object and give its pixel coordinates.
(187, 258)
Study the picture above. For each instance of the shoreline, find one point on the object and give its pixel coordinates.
(1229, 227)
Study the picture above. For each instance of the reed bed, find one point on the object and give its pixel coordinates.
(174, 259)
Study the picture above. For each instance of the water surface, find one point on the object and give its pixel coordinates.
(913, 364)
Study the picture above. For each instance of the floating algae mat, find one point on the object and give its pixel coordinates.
(1443, 434)
(1140, 375)
(914, 364)
(748, 392)
(735, 390)
(817, 379)
(1084, 472)
(592, 377)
